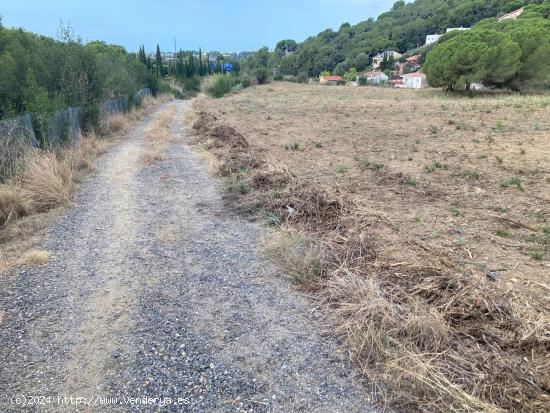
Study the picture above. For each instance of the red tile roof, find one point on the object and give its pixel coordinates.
(332, 78)
(415, 74)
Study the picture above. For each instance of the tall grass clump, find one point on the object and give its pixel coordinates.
(13, 204)
(218, 85)
(47, 180)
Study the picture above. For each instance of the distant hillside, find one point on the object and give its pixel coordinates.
(402, 28)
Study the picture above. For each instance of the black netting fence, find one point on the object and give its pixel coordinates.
(64, 127)
(142, 93)
(16, 138)
(52, 130)
(113, 106)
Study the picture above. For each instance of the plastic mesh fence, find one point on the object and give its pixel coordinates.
(16, 137)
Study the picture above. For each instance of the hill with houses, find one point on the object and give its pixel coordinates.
(405, 29)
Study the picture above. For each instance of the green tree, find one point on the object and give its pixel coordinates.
(285, 46)
(159, 70)
(478, 55)
(351, 74)
(361, 61)
(340, 69)
(8, 84)
(533, 38)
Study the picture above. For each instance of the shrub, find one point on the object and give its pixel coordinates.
(191, 84)
(218, 85)
(262, 75)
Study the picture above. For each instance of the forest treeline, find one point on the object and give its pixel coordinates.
(402, 28)
(39, 74)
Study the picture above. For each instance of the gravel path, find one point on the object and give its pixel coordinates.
(155, 289)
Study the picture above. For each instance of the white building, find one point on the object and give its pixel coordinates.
(450, 29)
(416, 80)
(376, 77)
(513, 15)
(432, 38)
(379, 58)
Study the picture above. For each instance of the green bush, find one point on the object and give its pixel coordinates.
(191, 84)
(218, 85)
(262, 75)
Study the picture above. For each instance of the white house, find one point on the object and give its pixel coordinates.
(450, 29)
(432, 38)
(376, 77)
(416, 80)
(379, 58)
(512, 15)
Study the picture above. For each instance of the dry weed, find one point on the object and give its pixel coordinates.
(117, 123)
(83, 154)
(13, 204)
(298, 254)
(35, 258)
(47, 180)
(158, 134)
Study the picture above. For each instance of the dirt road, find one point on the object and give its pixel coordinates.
(155, 289)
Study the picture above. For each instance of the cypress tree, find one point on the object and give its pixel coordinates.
(200, 63)
(141, 55)
(158, 63)
(190, 65)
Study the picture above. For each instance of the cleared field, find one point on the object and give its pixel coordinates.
(433, 215)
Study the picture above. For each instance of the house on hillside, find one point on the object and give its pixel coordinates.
(432, 38)
(330, 80)
(379, 58)
(413, 60)
(398, 70)
(416, 80)
(377, 77)
(512, 15)
(450, 29)
(412, 64)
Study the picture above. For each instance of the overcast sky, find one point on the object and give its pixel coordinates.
(230, 25)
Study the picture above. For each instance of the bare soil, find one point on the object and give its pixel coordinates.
(439, 198)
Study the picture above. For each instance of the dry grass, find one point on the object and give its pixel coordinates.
(35, 258)
(84, 153)
(117, 123)
(158, 135)
(13, 204)
(46, 181)
(417, 202)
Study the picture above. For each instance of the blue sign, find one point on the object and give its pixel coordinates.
(228, 67)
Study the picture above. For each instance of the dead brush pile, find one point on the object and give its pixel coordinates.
(230, 147)
(276, 190)
(426, 338)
